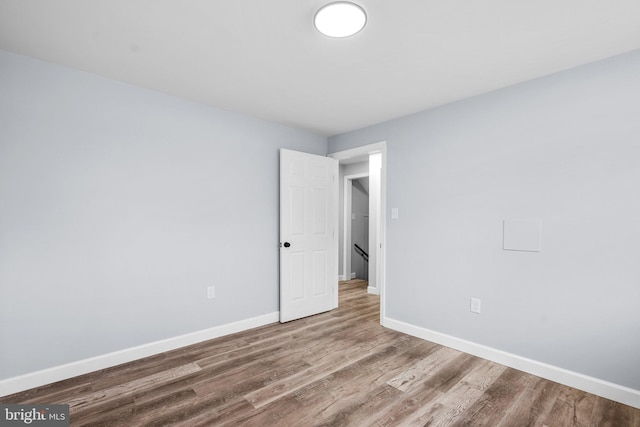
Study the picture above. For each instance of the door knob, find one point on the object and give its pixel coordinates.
(287, 244)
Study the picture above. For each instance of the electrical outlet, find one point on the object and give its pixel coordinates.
(211, 292)
(476, 305)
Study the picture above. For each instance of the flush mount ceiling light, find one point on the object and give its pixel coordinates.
(340, 19)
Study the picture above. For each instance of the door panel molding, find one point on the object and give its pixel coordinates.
(308, 224)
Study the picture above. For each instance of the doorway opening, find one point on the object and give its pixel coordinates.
(359, 235)
(355, 222)
(366, 162)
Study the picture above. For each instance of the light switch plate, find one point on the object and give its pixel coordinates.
(476, 305)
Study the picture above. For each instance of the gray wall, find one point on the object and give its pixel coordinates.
(119, 206)
(565, 149)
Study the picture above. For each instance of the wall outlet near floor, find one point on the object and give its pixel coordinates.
(211, 292)
(476, 305)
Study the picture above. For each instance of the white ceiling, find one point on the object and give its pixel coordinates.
(264, 58)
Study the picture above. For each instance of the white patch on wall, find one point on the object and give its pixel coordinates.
(522, 235)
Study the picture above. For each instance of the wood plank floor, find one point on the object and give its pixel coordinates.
(335, 369)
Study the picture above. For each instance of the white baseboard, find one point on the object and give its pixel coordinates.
(340, 277)
(73, 369)
(605, 389)
(353, 275)
(372, 290)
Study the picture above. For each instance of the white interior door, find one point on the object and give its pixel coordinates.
(308, 234)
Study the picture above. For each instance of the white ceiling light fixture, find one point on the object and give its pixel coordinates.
(340, 19)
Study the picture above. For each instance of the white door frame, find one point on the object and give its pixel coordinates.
(378, 147)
